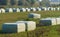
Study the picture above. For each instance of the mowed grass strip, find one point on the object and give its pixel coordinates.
(42, 31)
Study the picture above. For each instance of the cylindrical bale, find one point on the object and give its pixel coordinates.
(58, 9)
(38, 9)
(34, 15)
(18, 10)
(2, 10)
(13, 27)
(23, 10)
(42, 8)
(30, 25)
(53, 9)
(48, 9)
(27, 9)
(47, 21)
(14, 9)
(7, 10)
(33, 9)
(45, 9)
(10, 10)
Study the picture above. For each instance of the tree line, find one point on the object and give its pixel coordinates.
(28, 3)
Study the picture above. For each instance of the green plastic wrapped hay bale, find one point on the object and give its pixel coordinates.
(48, 21)
(13, 27)
(34, 15)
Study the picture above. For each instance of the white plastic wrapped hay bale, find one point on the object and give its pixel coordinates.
(27, 9)
(33, 9)
(10, 10)
(13, 27)
(38, 9)
(23, 10)
(42, 8)
(48, 21)
(2, 10)
(58, 20)
(18, 10)
(58, 9)
(30, 25)
(53, 9)
(34, 15)
(45, 9)
(48, 8)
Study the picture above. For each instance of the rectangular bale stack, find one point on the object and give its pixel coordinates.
(48, 21)
(30, 25)
(13, 27)
(58, 20)
(34, 15)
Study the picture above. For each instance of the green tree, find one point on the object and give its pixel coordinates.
(12, 2)
(45, 2)
(31, 2)
(3, 2)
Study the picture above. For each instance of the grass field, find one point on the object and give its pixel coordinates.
(41, 31)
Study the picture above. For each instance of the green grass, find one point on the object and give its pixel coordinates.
(41, 31)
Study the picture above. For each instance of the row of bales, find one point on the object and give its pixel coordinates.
(45, 21)
(22, 26)
(10, 10)
(19, 26)
(50, 21)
